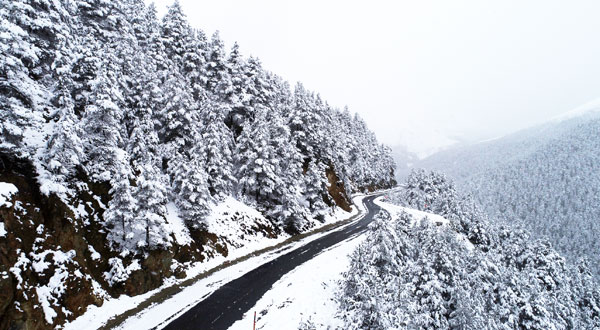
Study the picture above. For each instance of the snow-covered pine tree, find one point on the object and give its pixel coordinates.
(190, 188)
(195, 64)
(216, 64)
(303, 120)
(103, 125)
(257, 88)
(343, 147)
(179, 117)
(125, 234)
(254, 162)
(247, 89)
(231, 88)
(315, 189)
(217, 149)
(185, 47)
(289, 207)
(107, 160)
(150, 194)
(143, 146)
(176, 34)
(64, 151)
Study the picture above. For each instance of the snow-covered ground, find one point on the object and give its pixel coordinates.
(159, 315)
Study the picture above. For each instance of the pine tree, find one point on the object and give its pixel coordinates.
(124, 233)
(103, 117)
(216, 64)
(150, 195)
(65, 150)
(289, 209)
(176, 35)
(231, 89)
(143, 146)
(217, 149)
(190, 188)
(255, 170)
(315, 187)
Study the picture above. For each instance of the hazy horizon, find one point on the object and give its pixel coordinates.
(466, 69)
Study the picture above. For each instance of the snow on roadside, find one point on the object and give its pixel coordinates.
(416, 214)
(307, 293)
(156, 315)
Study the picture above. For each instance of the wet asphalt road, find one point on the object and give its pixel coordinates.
(229, 303)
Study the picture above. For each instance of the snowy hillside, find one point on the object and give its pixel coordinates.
(133, 148)
(590, 108)
(544, 178)
(464, 273)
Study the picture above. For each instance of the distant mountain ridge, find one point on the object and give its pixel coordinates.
(546, 177)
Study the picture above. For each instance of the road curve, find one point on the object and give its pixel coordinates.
(229, 303)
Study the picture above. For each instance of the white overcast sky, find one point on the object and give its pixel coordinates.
(415, 69)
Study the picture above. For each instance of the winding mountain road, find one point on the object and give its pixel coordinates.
(229, 303)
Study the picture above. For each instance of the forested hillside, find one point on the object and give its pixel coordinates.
(468, 273)
(114, 124)
(546, 179)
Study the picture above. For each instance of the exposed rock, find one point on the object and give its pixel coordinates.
(337, 191)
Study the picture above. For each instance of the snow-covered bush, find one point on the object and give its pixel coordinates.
(118, 273)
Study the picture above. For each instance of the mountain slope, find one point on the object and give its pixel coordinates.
(545, 178)
(450, 268)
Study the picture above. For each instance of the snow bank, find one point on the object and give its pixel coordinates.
(416, 214)
(238, 224)
(182, 234)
